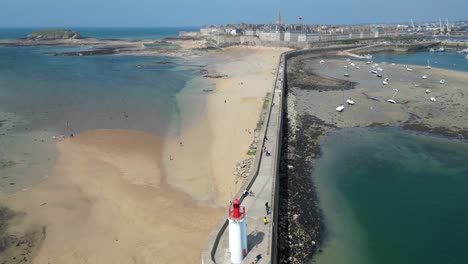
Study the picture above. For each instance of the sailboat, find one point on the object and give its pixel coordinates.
(428, 65)
(346, 73)
(340, 108)
(442, 81)
(424, 77)
(350, 102)
(391, 99)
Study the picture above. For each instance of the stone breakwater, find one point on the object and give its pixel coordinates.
(313, 90)
(300, 224)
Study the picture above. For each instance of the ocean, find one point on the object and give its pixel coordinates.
(44, 96)
(393, 196)
(104, 33)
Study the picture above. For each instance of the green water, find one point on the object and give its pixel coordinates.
(389, 196)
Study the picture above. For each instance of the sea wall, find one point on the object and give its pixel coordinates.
(278, 89)
(208, 254)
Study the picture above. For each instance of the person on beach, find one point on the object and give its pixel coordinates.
(170, 157)
(265, 221)
(180, 143)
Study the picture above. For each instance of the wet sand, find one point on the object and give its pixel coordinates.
(106, 202)
(120, 196)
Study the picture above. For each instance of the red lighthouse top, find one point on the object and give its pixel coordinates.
(236, 212)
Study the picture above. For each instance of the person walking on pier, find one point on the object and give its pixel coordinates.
(267, 208)
(265, 221)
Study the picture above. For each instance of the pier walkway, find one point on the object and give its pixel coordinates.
(259, 235)
(262, 187)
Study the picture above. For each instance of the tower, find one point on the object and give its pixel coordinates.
(237, 232)
(278, 19)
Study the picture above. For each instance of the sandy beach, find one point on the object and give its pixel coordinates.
(212, 147)
(120, 196)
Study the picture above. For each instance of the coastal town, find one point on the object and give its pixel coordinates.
(217, 142)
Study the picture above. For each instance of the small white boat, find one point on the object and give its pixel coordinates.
(441, 49)
(368, 62)
(374, 71)
(393, 64)
(352, 64)
(428, 91)
(431, 50)
(393, 96)
(348, 59)
(424, 77)
(346, 66)
(379, 75)
(428, 66)
(386, 79)
(322, 61)
(442, 81)
(432, 99)
(409, 69)
(340, 108)
(385, 82)
(346, 73)
(368, 56)
(350, 102)
(379, 69)
(357, 67)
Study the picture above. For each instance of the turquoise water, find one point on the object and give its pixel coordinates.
(445, 60)
(44, 96)
(390, 196)
(90, 92)
(105, 33)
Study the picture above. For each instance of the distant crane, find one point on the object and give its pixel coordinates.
(440, 26)
(412, 24)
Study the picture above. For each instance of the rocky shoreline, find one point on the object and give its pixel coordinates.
(301, 228)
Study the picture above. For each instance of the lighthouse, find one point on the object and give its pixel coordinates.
(237, 232)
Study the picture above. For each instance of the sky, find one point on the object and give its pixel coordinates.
(180, 13)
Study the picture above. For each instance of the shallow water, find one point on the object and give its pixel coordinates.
(390, 196)
(44, 96)
(446, 60)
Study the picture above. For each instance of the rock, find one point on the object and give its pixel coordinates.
(52, 34)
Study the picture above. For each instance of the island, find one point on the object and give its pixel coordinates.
(54, 34)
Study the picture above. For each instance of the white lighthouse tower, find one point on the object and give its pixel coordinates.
(237, 232)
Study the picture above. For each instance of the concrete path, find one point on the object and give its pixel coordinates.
(259, 235)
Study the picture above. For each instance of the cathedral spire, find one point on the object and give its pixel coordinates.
(278, 19)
